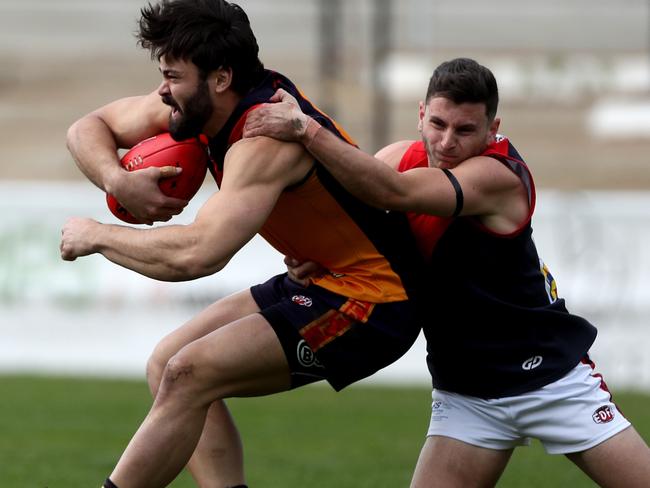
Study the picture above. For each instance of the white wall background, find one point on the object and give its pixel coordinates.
(91, 317)
(575, 85)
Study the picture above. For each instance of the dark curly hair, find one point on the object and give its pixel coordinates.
(210, 33)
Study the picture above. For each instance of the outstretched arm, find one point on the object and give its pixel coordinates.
(94, 140)
(255, 173)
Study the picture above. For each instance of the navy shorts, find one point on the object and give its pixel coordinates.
(332, 337)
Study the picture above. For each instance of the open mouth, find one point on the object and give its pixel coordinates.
(176, 114)
(170, 103)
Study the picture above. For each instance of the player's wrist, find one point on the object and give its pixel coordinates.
(114, 179)
(311, 129)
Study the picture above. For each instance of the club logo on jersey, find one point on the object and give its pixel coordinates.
(549, 282)
(306, 356)
(301, 300)
(603, 415)
(532, 363)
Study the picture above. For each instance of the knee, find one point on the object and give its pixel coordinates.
(182, 375)
(195, 377)
(156, 365)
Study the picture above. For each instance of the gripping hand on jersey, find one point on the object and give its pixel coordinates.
(301, 271)
(282, 119)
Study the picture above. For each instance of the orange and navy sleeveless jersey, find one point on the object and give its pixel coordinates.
(370, 254)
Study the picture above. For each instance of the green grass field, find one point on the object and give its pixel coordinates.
(58, 432)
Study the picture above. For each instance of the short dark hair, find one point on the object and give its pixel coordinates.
(210, 33)
(463, 80)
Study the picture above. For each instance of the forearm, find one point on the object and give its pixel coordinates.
(167, 253)
(363, 175)
(93, 147)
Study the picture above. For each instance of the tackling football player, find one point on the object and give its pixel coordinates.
(508, 361)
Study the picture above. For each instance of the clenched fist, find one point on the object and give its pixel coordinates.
(77, 238)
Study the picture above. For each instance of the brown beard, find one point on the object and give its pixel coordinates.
(193, 116)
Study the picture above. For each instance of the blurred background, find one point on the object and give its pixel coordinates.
(574, 80)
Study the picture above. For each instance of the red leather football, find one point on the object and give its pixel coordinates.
(163, 150)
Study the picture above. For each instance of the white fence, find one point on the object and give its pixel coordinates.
(92, 317)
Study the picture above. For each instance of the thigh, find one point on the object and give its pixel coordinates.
(241, 358)
(621, 461)
(450, 463)
(216, 315)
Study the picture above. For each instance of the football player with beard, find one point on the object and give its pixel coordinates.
(274, 336)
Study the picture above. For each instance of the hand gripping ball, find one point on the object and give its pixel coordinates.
(163, 150)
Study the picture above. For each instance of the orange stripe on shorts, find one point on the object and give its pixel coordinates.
(335, 323)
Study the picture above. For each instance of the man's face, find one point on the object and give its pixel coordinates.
(188, 95)
(453, 133)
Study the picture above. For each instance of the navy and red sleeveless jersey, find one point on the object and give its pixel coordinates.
(371, 255)
(496, 326)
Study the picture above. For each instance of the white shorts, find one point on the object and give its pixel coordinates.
(572, 414)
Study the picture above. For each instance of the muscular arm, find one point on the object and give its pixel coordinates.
(255, 173)
(94, 140)
(491, 191)
(486, 183)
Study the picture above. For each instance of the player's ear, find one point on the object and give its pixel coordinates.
(222, 79)
(421, 109)
(493, 130)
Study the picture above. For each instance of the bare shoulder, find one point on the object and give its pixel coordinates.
(266, 149)
(494, 193)
(393, 153)
(265, 158)
(488, 173)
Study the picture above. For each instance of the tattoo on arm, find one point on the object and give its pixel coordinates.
(298, 125)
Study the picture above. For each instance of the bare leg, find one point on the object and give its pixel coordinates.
(218, 461)
(218, 458)
(623, 461)
(243, 358)
(448, 463)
